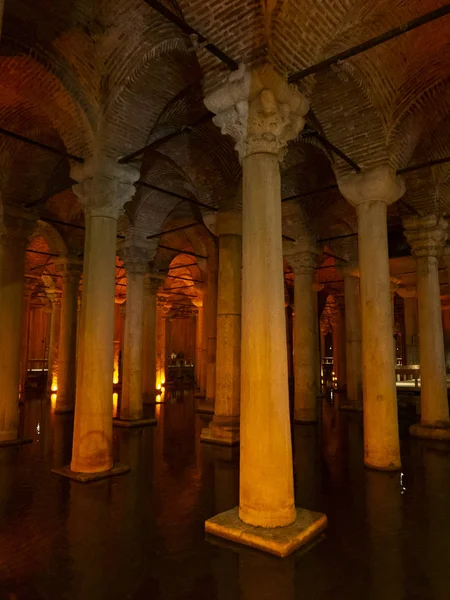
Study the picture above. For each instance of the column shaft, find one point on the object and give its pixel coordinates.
(12, 280)
(224, 427)
(53, 346)
(266, 475)
(92, 438)
(131, 407)
(211, 318)
(198, 344)
(411, 331)
(353, 342)
(149, 346)
(381, 441)
(65, 399)
(433, 394)
(305, 354)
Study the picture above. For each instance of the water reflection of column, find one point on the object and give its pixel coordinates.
(62, 439)
(436, 461)
(333, 441)
(53, 346)
(264, 577)
(306, 464)
(385, 525)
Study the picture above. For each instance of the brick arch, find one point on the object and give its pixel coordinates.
(52, 237)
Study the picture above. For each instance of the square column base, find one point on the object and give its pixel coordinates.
(280, 541)
(430, 433)
(205, 406)
(16, 442)
(222, 437)
(134, 423)
(66, 471)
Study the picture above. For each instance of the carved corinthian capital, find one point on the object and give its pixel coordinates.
(259, 109)
(426, 235)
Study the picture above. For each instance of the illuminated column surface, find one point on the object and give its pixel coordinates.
(199, 326)
(14, 232)
(224, 428)
(409, 295)
(427, 236)
(66, 383)
(353, 336)
(103, 190)
(151, 286)
(263, 112)
(339, 343)
(53, 343)
(135, 258)
(211, 332)
(162, 309)
(303, 263)
(371, 192)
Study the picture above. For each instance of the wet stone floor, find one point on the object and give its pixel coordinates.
(140, 535)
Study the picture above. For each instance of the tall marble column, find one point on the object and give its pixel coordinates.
(70, 270)
(409, 295)
(199, 326)
(224, 428)
(161, 313)
(135, 257)
(445, 307)
(305, 332)
(14, 232)
(339, 343)
(104, 188)
(371, 192)
(211, 332)
(151, 286)
(353, 336)
(53, 344)
(427, 236)
(25, 336)
(262, 112)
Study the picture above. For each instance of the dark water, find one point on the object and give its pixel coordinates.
(141, 535)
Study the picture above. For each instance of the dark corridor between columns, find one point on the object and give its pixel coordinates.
(141, 535)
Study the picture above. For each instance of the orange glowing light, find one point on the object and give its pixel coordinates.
(115, 403)
(54, 383)
(53, 401)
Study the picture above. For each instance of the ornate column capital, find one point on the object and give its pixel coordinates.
(152, 283)
(350, 269)
(259, 109)
(70, 269)
(380, 184)
(103, 185)
(426, 235)
(408, 291)
(229, 223)
(135, 259)
(303, 262)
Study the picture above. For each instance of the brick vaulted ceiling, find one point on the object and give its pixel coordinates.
(114, 75)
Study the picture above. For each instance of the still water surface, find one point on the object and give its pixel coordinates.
(140, 535)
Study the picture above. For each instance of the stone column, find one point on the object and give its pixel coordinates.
(305, 356)
(371, 192)
(263, 112)
(317, 287)
(339, 343)
(151, 286)
(353, 337)
(409, 295)
(24, 337)
(224, 428)
(427, 236)
(211, 331)
(70, 270)
(445, 306)
(161, 314)
(14, 232)
(135, 258)
(103, 189)
(53, 344)
(199, 325)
